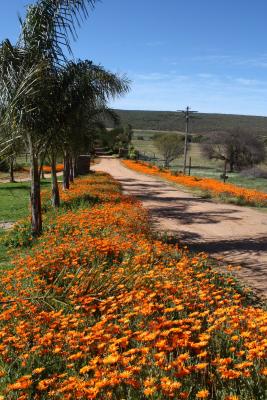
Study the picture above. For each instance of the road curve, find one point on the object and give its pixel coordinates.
(236, 234)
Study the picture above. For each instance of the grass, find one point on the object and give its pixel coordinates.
(14, 200)
(14, 205)
(251, 183)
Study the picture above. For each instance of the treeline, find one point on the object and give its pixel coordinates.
(202, 123)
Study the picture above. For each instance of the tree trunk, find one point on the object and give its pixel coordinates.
(166, 163)
(42, 173)
(71, 170)
(11, 170)
(224, 171)
(36, 210)
(75, 167)
(55, 198)
(66, 172)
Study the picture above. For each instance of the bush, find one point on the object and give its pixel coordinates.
(133, 153)
(170, 146)
(198, 139)
(20, 235)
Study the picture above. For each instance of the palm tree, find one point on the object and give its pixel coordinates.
(86, 89)
(25, 71)
(32, 75)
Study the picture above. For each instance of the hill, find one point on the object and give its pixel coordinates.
(201, 124)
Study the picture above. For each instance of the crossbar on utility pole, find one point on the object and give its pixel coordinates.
(187, 116)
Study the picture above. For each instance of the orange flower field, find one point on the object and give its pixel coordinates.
(217, 188)
(100, 308)
(47, 168)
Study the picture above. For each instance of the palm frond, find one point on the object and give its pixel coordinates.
(49, 24)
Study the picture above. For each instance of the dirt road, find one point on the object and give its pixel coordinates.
(237, 234)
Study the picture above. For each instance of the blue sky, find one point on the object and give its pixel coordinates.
(208, 54)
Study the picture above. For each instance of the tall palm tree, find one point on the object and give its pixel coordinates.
(35, 73)
(25, 71)
(86, 89)
(81, 92)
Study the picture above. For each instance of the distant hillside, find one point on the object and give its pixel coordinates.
(203, 123)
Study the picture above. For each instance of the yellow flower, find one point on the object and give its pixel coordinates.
(38, 370)
(149, 390)
(202, 394)
(85, 369)
(201, 366)
(111, 359)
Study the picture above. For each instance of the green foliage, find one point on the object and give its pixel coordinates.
(4, 257)
(204, 123)
(80, 202)
(197, 138)
(170, 146)
(133, 153)
(117, 138)
(20, 235)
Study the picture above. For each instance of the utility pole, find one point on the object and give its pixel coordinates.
(187, 114)
(190, 164)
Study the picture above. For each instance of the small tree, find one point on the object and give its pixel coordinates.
(117, 138)
(237, 147)
(170, 146)
(128, 132)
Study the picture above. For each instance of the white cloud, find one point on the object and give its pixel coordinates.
(205, 75)
(250, 82)
(257, 61)
(156, 76)
(204, 92)
(213, 58)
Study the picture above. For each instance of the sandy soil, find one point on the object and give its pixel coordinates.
(6, 225)
(19, 177)
(24, 177)
(236, 234)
